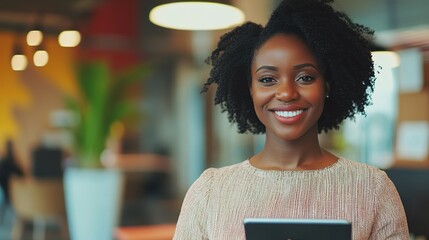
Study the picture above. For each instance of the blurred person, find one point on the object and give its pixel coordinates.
(305, 72)
(8, 168)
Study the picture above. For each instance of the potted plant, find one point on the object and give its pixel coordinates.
(101, 104)
(93, 191)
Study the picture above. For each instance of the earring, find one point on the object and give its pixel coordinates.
(327, 96)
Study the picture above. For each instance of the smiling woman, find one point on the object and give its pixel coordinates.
(305, 72)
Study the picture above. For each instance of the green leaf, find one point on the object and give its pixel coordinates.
(102, 103)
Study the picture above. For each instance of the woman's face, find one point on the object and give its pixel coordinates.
(287, 88)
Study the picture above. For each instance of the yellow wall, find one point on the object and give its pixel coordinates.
(17, 95)
(12, 93)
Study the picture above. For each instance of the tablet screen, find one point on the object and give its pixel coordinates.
(297, 229)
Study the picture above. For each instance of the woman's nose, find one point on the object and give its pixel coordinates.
(286, 91)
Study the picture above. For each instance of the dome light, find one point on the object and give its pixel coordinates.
(34, 37)
(386, 58)
(196, 16)
(19, 62)
(69, 38)
(40, 58)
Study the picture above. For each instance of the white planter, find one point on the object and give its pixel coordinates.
(93, 202)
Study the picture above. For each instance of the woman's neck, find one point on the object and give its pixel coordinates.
(304, 153)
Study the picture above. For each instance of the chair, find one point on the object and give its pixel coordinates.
(39, 201)
(413, 188)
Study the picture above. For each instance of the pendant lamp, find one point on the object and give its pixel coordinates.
(18, 61)
(196, 16)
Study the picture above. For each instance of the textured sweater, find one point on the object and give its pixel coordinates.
(218, 202)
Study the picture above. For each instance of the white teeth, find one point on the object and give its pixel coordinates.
(288, 113)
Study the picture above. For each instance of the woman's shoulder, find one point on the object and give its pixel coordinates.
(358, 166)
(213, 177)
(363, 170)
(216, 172)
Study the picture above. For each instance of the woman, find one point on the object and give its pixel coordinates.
(303, 73)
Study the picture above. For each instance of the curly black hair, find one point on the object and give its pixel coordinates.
(341, 47)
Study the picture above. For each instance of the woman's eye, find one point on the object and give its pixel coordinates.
(305, 79)
(266, 80)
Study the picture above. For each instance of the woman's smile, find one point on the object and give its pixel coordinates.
(288, 114)
(289, 117)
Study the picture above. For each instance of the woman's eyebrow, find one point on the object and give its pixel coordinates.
(299, 66)
(272, 68)
(304, 65)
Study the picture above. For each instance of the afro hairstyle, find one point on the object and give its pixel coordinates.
(341, 47)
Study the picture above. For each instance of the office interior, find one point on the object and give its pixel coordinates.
(175, 131)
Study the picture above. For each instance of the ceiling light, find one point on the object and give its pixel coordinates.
(196, 16)
(34, 37)
(19, 62)
(386, 58)
(40, 58)
(69, 38)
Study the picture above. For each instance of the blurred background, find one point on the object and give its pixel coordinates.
(142, 81)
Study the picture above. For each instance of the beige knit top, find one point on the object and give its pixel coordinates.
(217, 203)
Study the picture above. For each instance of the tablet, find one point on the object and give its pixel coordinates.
(297, 229)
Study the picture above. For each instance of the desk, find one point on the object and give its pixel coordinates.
(140, 168)
(141, 163)
(136, 169)
(149, 232)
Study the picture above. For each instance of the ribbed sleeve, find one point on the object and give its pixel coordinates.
(218, 202)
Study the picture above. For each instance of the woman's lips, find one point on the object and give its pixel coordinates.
(289, 117)
(288, 113)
